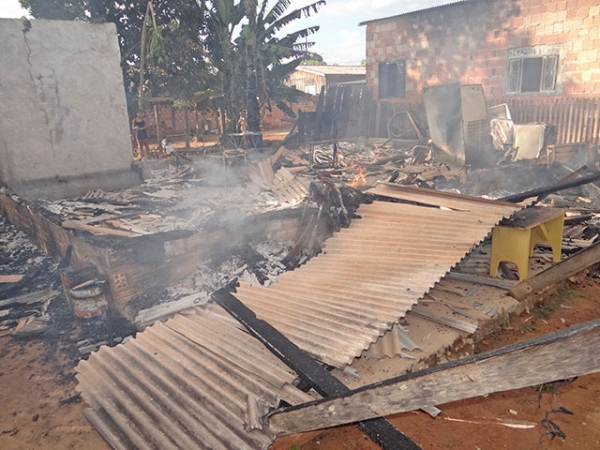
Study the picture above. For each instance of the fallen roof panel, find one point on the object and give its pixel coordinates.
(196, 381)
(370, 274)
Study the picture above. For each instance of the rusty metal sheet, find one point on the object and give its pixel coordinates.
(196, 381)
(370, 274)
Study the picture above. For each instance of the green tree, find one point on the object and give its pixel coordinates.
(317, 60)
(251, 57)
(178, 68)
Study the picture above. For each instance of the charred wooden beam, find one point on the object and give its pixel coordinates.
(567, 353)
(379, 430)
(561, 186)
(573, 175)
(557, 273)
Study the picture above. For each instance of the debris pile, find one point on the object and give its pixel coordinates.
(28, 283)
(33, 303)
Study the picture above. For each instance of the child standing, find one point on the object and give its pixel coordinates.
(139, 125)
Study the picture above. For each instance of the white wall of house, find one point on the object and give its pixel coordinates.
(64, 126)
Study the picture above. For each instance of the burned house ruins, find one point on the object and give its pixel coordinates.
(252, 292)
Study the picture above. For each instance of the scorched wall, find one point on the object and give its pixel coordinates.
(64, 127)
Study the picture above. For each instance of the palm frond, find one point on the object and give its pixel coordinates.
(277, 10)
(281, 22)
(286, 109)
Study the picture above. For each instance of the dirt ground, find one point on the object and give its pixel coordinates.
(31, 417)
(34, 377)
(473, 424)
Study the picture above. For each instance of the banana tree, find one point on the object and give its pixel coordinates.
(244, 46)
(268, 58)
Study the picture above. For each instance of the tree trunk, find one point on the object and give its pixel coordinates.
(253, 107)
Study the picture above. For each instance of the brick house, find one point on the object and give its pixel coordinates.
(520, 49)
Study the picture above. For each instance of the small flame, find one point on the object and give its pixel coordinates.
(359, 179)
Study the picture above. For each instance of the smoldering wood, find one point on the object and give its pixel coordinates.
(30, 298)
(557, 273)
(76, 225)
(516, 198)
(382, 432)
(137, 264)
(563, 354)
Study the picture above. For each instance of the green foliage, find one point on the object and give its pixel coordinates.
(528, 327)
(315, 60)
(251, 56)
(543, 312)
(566, 294)
(177, 64)
(230, 53)
(503, 320)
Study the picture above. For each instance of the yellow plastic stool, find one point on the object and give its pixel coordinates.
(515, 239)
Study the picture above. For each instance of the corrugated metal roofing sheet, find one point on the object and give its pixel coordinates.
(196, 381)
(370, 274)
(333, 70)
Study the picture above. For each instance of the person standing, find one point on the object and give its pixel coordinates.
(141, 135)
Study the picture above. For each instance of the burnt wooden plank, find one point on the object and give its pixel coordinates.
(557, 273)
(11, 278)
(533, 216)
(30, 298)
(382, 432)
(566, 353)
(478, 279)
(315, 136)
(516, 198)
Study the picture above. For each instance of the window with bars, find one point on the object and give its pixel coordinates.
(532, 74)
(392, 79)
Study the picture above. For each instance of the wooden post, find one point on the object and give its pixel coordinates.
(158, 136)
(186, 124)
(316, 135)
(596, 126)
(559, 272)
(566, 353)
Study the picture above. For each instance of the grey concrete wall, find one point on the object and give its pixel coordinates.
(64, 127)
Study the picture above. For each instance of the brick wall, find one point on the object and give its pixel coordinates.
(276, 118)
(469, 42)
(172, 120)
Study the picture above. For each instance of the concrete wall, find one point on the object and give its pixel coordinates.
(470, 42)
(64, 127)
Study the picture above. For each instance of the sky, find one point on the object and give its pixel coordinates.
(340, 40)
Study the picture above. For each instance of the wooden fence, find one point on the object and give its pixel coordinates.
(577, 120)
(349, 111)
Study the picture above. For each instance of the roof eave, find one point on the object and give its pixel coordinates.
(443, 5)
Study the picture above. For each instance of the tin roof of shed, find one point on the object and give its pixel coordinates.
(333, 70)
(196, 381)
(370, 274)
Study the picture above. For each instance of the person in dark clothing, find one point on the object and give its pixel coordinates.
(140, 126)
